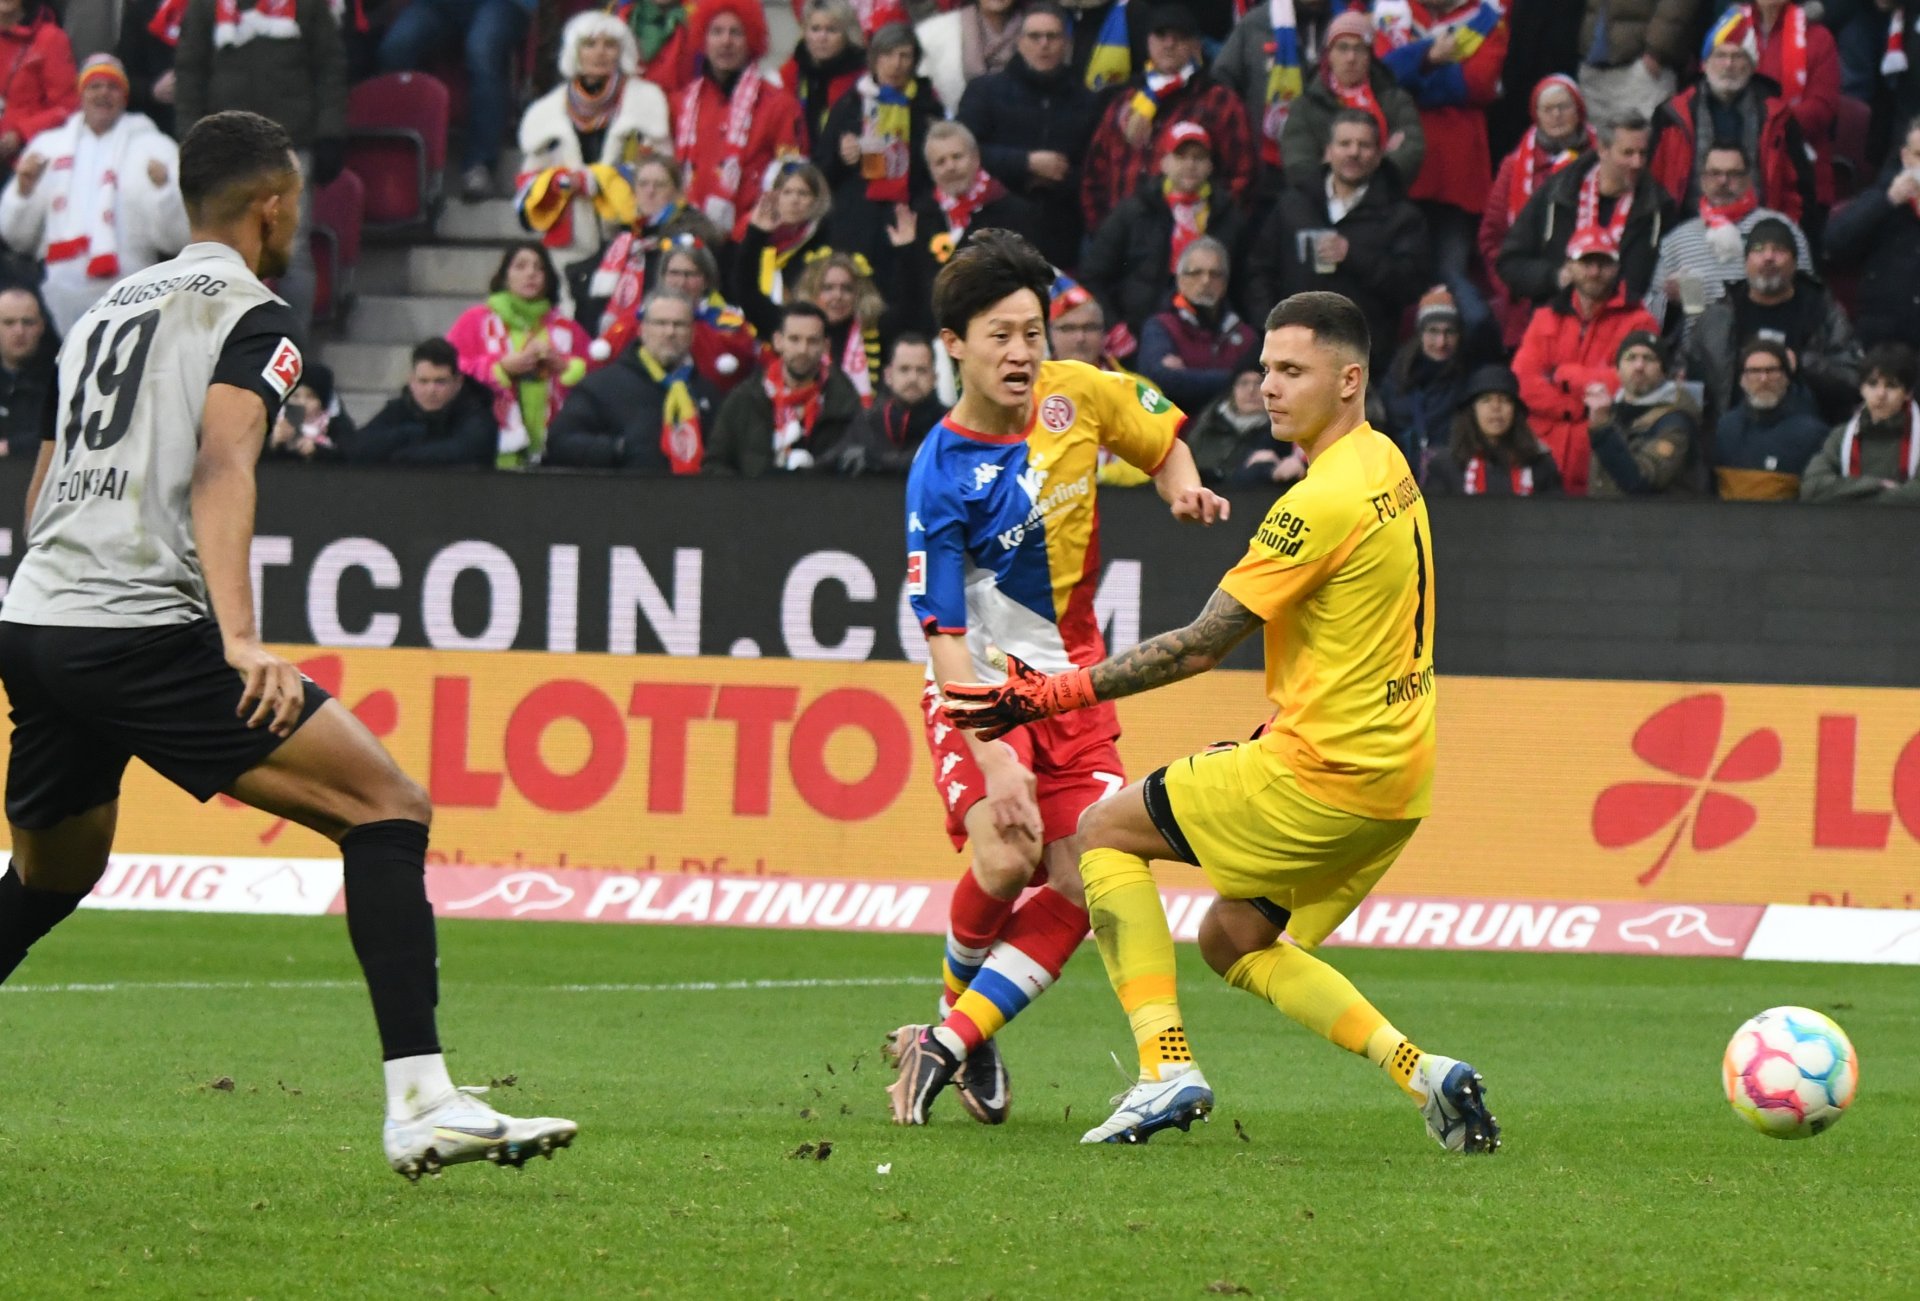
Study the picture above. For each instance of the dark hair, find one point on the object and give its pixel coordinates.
(1046, 9)
(224, 160)
(1772, 347)
(894, 36)
(1891, 362)
(1334, 320)
(436, 352)
(1521, 446)
(1725, 146)
(990, 266)
(551, 290)
(1631, 120)
(790, 310)
(1355, 117)
(910, 339)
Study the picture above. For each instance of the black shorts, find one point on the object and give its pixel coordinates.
(85, 700)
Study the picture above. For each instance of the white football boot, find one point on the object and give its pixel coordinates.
(1153, 1105)
(1453, 1099)
(463, 1127)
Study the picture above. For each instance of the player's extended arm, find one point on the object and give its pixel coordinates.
(1011, 787)
(1178, 483)
(231, 434)
(993, 708)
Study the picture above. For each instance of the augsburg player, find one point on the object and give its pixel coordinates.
(1295, 827)
(1003, 549)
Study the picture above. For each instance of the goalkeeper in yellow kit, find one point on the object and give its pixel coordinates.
(1295, 827)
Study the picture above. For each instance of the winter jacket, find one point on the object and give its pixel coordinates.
(1446, 474)
(37, 89)
(1668, 29)
(1452, 99)
(1559, 356)
(1221, 446)
(1820, 336)
(761, 305)
(1115, 169)
(613, 419)
(548, 139)
(1783, 172)
(857, 223)
(1420, 396)
(1128, 266)
(886, 435)
(1882, 242)
(1686, 249)
(300, 82)
(1882, 447)
(910, 287)
(1210, 351)
(742, 439)
(24, 395)
(462, 432)
(1819, 103)
(776, 129)
(1645, 448)
(1760, 455)
(1536, 247)
(588, 305)
(1388, 263)
(147, 59)
(1243, 64)
(819, 86)
(1309, 129)
(1018, 112)
(1495, 221)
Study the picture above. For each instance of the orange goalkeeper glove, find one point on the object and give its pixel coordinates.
(995, 708)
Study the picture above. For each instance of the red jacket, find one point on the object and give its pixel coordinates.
(775, 129)
(1452, 98)
(1819, 104)
(1562, 354)
(1783, 172)
(36, 76)
(1114, 168)
(675, 63)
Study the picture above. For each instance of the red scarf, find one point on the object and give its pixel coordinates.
(1189, 218)
(984, 190)
(1588, 213)
(856, 359)
(1731, 214)
(1360, 97)
(1473, 479)
(626, 263)
(1909, 445)
(719, 206)
(1536, 164)
(1793, 55)
(165, 26)
(795, 409)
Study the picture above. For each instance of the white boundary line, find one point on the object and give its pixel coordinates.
(677, 987)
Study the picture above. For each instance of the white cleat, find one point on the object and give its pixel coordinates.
(1153, 1105)
(1455, 1105)
(462, 1127)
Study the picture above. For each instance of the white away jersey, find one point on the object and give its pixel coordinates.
(110, 544)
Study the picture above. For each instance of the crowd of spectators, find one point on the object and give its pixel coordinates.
(1651, 253)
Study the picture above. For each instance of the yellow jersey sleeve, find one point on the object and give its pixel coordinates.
(1135, 420)
(1298, 546)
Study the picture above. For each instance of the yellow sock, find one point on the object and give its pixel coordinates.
(1324, 1001)
(1130, 929)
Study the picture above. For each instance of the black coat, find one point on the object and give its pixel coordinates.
(856, 223)
(1016, 112)
(147, 59)
(612, 419)
(910, 291)
(1128, 265)
(463, 432)
(1389, 263)
(1536, 247)
(24, 395)
(1882, 242)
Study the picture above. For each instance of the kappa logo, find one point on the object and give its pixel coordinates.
(913, 522)
(954, 791)
(1672, 924)
(1683, 740)
(940, 731)
(283, 368)
(1057, 413)
(947, 765)
(985, 473)
(526, 892)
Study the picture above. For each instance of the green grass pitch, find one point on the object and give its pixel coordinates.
(124, 1171)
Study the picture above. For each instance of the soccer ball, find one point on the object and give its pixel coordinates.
(1790, 1072)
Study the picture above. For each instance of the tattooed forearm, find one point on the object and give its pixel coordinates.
(1183, 653)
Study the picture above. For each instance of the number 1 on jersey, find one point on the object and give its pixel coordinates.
(1420, 598)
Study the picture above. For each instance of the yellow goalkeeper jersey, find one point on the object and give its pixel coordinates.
(1341, 569)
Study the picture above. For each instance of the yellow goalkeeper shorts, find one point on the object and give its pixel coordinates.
(1238, 813)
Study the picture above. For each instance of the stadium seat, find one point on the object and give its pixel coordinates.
(1851, 126)
(338, 212)
(397, 143)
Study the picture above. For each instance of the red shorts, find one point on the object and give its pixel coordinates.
(1073, 758)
